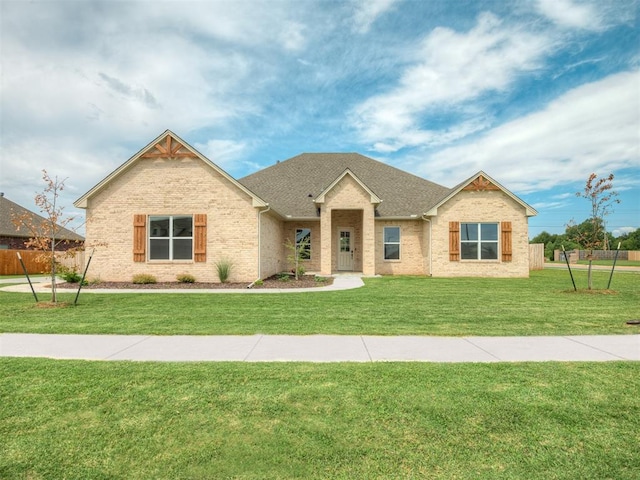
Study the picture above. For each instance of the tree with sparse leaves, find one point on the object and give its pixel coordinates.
(600, 194)
(45, 233)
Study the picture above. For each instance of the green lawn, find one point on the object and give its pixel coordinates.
(543, 304)
(90, 420)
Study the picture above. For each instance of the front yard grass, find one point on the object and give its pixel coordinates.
(543, 304)
(89, 420)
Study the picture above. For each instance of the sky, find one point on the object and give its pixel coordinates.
(537, 94)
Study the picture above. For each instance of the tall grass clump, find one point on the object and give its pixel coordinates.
(224, 267)
(144, 279)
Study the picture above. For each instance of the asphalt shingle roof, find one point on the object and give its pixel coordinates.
(291, 185)
(8, 229)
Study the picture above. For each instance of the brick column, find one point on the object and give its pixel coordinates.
(326, 248)
(368, 242)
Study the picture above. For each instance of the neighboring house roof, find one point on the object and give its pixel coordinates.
(9, 209)
(291, 186)
(479, 182)
(168, 144)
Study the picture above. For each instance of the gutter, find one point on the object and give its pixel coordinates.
(260, 212)
(397, 217)
(430, 244)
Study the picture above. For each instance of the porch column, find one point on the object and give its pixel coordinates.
(326, 247)
(368, 242)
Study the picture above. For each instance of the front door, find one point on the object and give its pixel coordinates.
(345, 249)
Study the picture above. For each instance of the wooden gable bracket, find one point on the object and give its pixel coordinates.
(170, 149)
(481, 184)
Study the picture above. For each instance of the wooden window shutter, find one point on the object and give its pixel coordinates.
(200, 237)
(506, 241)
(139, 237)
(454, 241)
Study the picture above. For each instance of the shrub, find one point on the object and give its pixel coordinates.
(144, 279)
(284, 277)
(71, 276)
(224, 267)
(186, 278)
(258, 283)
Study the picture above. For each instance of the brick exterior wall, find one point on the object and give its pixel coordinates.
(413, 248)
(19, 243)
(173, 187)
(272, 240)
(14, 243)
(481, 206)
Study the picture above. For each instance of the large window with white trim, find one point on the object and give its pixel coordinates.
(171, 237)
(391, 237)
(479, 241)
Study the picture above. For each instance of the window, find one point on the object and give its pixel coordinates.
(171, 237)
(479, 241)
(303, 243)
(392, 243)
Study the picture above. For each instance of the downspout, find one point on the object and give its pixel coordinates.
(430, 245)
(260, 212)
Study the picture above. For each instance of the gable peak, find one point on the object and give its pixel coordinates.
(168, 147)
(481, 184)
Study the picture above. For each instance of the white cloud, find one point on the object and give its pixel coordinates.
(451, 68)
(292, 36)
(623, 231)
(592, 128)
(549, 205)
(570, 14)
(222, 152)
(563, 196)
(368, 11)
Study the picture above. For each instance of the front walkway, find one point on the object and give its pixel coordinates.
(321, 348)
(340, 282)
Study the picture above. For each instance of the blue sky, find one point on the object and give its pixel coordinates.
(537, 94)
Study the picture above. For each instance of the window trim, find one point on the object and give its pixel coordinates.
(171, 239)
(308, 249)
(480, 241)
(385, 243)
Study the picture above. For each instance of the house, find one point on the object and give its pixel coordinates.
(12, 237)
(170, 210)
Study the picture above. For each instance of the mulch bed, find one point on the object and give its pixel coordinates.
(305, 281)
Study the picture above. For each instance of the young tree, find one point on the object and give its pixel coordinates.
(45, 232)
(599, 192)
(297, 254)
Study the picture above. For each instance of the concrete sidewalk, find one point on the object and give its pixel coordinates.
(321, 348)
(340, 282)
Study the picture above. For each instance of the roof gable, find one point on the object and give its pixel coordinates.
(167, 145)
(480, 182)
(374, 198)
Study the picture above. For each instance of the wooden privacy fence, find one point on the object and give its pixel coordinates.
(536, 256)
(10, 265)
(575, 255)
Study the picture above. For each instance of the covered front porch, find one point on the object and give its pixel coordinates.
(348, 242)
